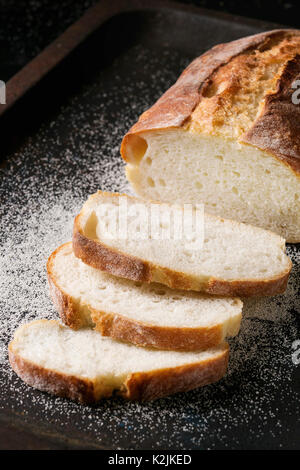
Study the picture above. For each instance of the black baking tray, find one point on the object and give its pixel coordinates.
(59, 143)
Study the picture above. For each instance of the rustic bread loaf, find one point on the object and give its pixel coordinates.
(227, 134)
(236, 259)
(84, 366)
(144, 314)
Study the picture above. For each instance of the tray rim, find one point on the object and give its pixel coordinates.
(90, 21)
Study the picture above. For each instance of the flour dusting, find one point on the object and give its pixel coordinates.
(42, 188)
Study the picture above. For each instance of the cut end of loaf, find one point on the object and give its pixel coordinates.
(232, 179)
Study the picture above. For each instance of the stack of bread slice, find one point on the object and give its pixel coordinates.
(144, 317)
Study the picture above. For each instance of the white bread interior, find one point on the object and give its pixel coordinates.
(43, 352)
(146, 304)
(231, 251)
(233, 179)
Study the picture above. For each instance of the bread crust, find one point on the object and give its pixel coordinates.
(146, 386)
(161, 337)
(176, 106)
(277, 128)
(142, 386)
(132, 331)
(95, 253)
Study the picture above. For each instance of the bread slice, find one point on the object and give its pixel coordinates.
(84, 366)
(144, 314)
(235, 260)
(227, 135)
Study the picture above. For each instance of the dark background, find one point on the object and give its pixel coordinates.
(27, 26)
(277, 11)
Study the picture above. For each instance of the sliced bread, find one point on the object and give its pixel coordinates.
(84, 366)
(144, 314)
(235, 259)
(227, 134)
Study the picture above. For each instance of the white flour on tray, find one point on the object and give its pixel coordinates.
(43, 188)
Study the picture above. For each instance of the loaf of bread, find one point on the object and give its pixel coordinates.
(84, 366)
(235, 259)
(227, 134)
(148, 315)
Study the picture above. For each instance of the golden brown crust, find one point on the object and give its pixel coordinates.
(156, 384)
(137, 386)
(91, 253)
(248, 288)
(179, 106)
(161, 337)
(277, 128)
